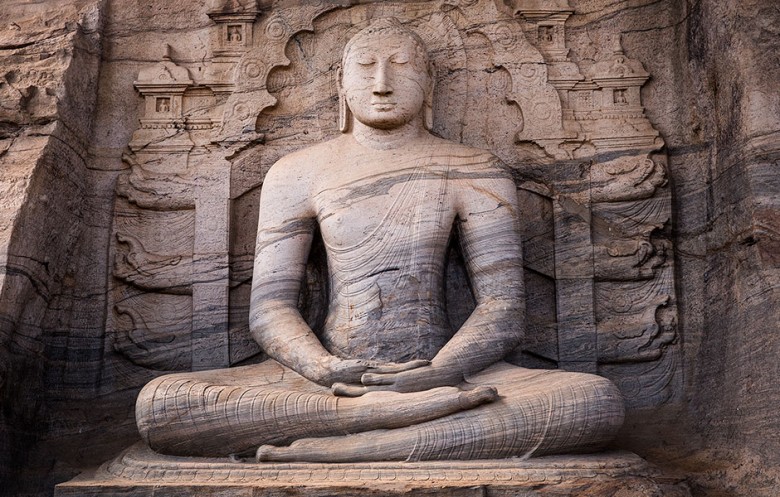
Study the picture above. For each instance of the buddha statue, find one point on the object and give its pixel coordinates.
(386, 378)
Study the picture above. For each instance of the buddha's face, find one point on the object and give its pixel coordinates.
(385, 79)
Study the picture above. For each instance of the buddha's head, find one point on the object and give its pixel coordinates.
(386, 78)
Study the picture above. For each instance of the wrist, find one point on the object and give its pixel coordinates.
(320, 370)
(451, 373)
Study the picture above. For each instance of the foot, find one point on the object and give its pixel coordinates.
(480, 395)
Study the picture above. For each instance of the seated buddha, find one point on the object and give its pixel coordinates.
(387, 377)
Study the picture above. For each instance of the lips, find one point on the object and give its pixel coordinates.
(383, 106)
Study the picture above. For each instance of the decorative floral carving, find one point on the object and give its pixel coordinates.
(153, 272)
(154, 333)
(156, 191)
(626, 178)
(636, 335)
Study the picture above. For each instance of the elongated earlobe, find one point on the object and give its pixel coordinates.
(344, 114)
(428, 104)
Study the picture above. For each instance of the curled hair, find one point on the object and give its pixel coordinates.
(390, 25)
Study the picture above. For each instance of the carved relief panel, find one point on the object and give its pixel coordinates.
(590, 169)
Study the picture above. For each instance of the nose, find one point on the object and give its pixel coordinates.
(381, 81)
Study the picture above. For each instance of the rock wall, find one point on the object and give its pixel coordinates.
(68, 112)
(734, 240)
(714, 98)
(50, 57)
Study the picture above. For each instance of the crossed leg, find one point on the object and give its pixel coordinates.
(539, 412)
(222, 412)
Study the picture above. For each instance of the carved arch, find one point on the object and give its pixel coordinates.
(443, 24)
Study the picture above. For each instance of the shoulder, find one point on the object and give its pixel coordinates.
(464, 158)
(289, 184)
(480, 179)
(301, 165)
(473, 165)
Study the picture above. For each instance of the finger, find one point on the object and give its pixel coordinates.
(370, 379)
(369, 364)
(349, 372)
(351, 367)
(400, 367)
(344, 390)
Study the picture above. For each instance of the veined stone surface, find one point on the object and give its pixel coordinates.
(82, 328)
(139, 472)
(574, 133)
(385, 198)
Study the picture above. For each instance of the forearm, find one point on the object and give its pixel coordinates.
(492, 331)
(283, 334)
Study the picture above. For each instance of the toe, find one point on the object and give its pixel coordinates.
(265, 453)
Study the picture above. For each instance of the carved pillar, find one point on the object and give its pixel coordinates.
(574, 269)
(210, 297)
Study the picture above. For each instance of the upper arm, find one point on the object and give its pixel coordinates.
(490, 233)
(284, 234)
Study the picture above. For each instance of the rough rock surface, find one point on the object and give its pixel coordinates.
(68, 112)
(592, 475)
(48, 93)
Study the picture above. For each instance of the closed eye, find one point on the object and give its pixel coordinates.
(399, 59)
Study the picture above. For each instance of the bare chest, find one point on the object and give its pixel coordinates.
(416, 202)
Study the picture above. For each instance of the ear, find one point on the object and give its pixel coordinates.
(428, 103)
(345, 116)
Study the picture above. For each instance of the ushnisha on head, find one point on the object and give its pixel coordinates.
(386, 78)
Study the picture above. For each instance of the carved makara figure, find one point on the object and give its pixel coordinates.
(386, 378)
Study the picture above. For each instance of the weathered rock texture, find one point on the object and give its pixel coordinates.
(139, 473)
(48, 93)
(81, 332)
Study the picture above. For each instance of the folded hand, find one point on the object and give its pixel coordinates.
(409, 379)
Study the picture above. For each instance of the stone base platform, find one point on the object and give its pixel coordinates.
(139, 472)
